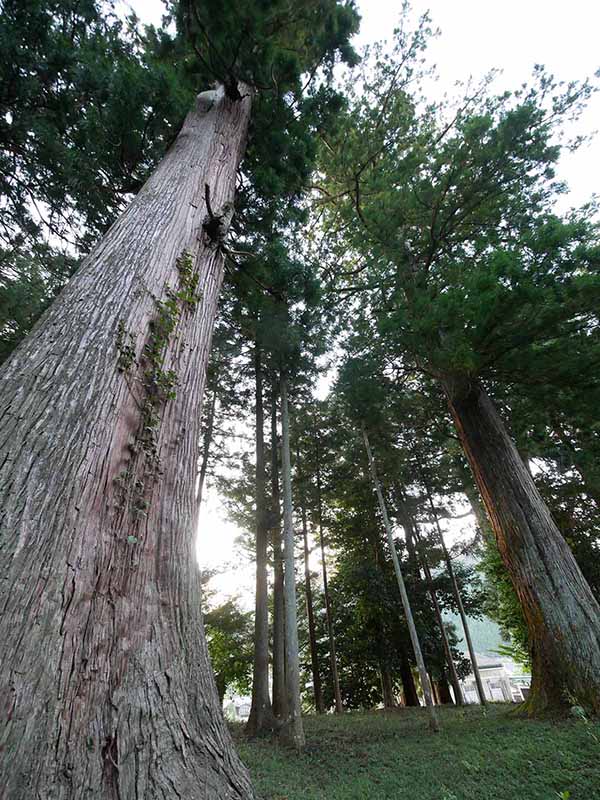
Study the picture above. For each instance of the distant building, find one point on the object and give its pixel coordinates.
(236, 708)
(504, 680)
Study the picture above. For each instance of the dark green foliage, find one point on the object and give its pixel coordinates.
(229, 633)
(29, 281)
(85, 114)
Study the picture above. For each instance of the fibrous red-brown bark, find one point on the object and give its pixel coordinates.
(563, 617)
(106, 684)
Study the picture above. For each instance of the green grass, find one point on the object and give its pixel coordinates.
(390, 756)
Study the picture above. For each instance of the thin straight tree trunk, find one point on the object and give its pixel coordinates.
(312, 636)
(444, 691)
(387, 687)
(434, 689)
(339, 708)
(279, 680)
(405, 519)
(412, 534)
(426, 686)
(104, 672)
(458, 598)
(563, 617)
(293, 731)
(440, 622)
(206, 443)
(261, 712)
(411, 697)
(474, 499)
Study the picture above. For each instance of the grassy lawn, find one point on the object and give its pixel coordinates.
(380, 756)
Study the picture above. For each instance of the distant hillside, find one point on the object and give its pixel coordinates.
(485, 634)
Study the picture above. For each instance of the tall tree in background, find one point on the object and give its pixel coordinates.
(280, 702)
(469, 271)
(99, 431)
(337, 695)
(261, 712)
(293, 729)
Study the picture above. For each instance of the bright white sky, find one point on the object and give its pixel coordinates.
(476, 36)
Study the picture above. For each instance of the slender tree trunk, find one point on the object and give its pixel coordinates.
(434, 689)
(411, 696)
(405, 519)
(563, 617)
(261, 712)
(479, 511)
(279, 680)
(440, 622)
(387, 687)
(293, 731)
(312, 636)
(105, 676)
(458, 598)
(206, 443)
(426, 686)
(339, 708)
(443, 690)
(412, 534)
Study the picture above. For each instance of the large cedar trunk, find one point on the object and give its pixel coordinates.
(106, 683)
(563, 617)
(261, 712)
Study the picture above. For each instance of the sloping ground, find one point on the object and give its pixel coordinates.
(390, 756)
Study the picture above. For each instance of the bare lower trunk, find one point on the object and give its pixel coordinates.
(440, 622)
(339, 708)
(205, 449)
(106, 683)
(444, 691)
(458, 598)
(387, 687)
(293, 731)
(312, 636)
(279, 682)
(425, 684)
(261, 712)
(563, 617)
(411, 697)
